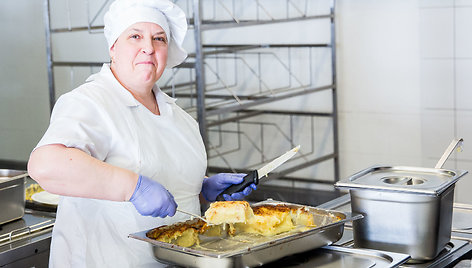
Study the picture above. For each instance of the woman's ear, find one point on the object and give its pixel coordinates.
(111, 52)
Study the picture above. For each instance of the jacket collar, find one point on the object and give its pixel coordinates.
(106, 76)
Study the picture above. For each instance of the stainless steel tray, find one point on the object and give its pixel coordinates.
(235, 252)
(338, 257)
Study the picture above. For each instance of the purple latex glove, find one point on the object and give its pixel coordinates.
(150, 198)
(214, 185)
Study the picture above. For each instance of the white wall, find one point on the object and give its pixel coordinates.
(24, 100)
(403, 82)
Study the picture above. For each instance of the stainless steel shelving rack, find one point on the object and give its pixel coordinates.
(237, 118)
(215, 109)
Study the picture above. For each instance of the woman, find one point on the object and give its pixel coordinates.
(119, 151)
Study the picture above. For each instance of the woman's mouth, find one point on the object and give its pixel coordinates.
(145, 63)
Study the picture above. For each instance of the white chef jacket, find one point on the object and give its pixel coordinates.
(104, 120)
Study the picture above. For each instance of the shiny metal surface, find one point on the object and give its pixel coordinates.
(462, 222)
(456, 143)
(25, 242)
(415, 224)
(12, 194)
(403, 179)
(462, 218)
(339, 257)
(455, 250)
(263, 171)
(458, 248)
(336, 256)
(406, 209)
(191, 214)
(241, 253)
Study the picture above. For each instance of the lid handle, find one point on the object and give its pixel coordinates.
(456, 143)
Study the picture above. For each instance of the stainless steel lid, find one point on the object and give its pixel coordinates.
(7, 175)
(403, 179)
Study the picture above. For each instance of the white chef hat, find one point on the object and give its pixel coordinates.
(124, 13)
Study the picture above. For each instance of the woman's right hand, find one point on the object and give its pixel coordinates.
(150, 198)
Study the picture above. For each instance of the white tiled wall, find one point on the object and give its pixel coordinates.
(378, 71)
(450, 47)
(405, 86)
(404, 82)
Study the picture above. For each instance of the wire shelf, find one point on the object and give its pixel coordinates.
(245, 93)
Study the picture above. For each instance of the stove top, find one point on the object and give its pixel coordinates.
(459, 248)
(25, 242)
(454, 251)
(337, 256)
(343, 254)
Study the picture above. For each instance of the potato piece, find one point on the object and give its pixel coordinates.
(229, 212)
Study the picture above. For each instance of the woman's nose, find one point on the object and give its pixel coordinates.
(147, 48)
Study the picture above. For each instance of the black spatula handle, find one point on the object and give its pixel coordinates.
(249, 179)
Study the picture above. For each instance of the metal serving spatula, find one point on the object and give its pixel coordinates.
(191, 214)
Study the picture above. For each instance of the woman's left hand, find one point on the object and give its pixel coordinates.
(214, 185)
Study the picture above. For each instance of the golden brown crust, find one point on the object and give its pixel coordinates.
(169, 232)
(299, 216)
(267, 220)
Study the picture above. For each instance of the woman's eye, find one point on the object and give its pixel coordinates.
(159, 38)
(134, 36)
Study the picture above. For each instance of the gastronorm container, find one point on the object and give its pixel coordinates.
(228, 252)
(12, 194)
(406, 209)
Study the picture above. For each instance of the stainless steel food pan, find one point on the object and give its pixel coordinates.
(234, 252)
(406, 209)
(12, 194)
(419, 225)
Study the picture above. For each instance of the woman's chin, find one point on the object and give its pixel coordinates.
(148, 77)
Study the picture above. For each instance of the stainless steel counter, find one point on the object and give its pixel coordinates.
(342, 254)
(459, 248)
(25, 242)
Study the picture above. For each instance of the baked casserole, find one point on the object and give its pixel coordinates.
(233, 218)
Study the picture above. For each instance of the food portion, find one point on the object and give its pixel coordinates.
(271, 220)
(235, 218)
(184, 234)
(229, 212)
(31, 190)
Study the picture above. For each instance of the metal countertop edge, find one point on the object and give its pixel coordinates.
(337, 202)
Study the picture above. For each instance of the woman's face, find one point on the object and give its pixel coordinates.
(139, 55)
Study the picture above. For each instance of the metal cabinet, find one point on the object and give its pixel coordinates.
(260, 79)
